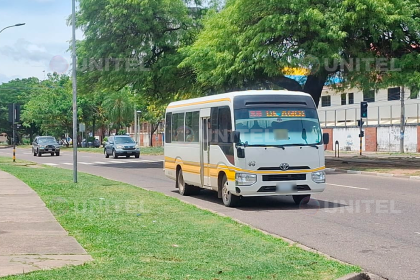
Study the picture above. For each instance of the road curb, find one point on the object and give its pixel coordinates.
(361, 276)
(337, 170)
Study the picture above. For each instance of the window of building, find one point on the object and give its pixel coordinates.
(369, 95)
(326, 101)
(343, 99)
(393, 94)
(168, 128)
(351, 98)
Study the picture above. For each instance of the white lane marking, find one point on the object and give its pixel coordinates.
(100, 162)
(417, 232)
(66, 163)
(350, 187)
(50, 164)
(27, 153)
(86, 163)
(147, 160)
(116, 161)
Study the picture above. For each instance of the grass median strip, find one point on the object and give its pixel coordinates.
(136, 234)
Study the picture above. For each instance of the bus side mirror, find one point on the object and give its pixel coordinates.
(236, 137)
(326, 138)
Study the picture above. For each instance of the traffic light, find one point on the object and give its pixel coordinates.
(362, 134)
(360, 123)
(363, 109)
(14, 113)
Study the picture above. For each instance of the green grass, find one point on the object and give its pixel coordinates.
(136, 234)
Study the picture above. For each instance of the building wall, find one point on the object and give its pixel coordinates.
(380, 112)
(388, 139)
(348, 139)
(330, 145)
(371, 139)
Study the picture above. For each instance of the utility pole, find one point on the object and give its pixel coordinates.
(402, 121)
(14, 132)
(363, 114)
(74, 93)
(135, 124)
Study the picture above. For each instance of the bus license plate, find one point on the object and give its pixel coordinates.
(285, 187)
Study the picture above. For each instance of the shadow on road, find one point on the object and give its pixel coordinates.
(134, 165)
(268, 202)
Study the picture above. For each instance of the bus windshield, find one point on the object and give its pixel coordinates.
(278, 126)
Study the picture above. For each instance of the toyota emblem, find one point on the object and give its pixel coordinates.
(284, 166)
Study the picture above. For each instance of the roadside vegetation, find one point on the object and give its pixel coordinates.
(136, 234)
(173, 50)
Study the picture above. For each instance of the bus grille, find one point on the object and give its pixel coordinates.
(284, 177)
(299, 188)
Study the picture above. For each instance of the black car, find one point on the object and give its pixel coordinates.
(121, 145)
(45, 145)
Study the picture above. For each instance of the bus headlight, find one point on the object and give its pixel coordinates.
(245, 179)
(318, 177)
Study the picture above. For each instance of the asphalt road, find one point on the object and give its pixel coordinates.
(370, 221)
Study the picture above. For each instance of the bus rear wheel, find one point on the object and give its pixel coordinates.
(184, 188)
(229, 199)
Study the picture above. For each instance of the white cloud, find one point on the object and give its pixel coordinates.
(24, 50)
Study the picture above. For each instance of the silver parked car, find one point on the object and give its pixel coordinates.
(45, 145)
(121, 145)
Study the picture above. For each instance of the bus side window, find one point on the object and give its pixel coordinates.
(168, 128)
(225, 125)
(173, 128)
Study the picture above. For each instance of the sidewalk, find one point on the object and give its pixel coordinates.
(30, 237)
(380, 164)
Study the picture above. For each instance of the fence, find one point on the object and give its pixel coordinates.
(378, 115)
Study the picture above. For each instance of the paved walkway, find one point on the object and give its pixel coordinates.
(30, 237)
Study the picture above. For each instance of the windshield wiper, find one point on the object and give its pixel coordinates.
(304, 145)
(314, 146)
(275, 146)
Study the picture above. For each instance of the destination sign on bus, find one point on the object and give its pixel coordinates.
(277, 114)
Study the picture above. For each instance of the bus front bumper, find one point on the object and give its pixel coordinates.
(273, 184)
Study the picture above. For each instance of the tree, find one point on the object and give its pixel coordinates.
(50, 108)
(17, 91)
(118, 107)
(125, 40)
(249, 44)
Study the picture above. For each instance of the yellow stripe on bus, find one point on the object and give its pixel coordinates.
(198, 103)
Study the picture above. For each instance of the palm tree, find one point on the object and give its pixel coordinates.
(118, 108)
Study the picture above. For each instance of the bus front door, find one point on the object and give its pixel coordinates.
(205, 152)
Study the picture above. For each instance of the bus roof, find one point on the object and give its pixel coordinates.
(230, 95)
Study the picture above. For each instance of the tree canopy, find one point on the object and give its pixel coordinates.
(250, 43)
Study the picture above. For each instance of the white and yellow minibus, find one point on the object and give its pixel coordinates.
(244, 144)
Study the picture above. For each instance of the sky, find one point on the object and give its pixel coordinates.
(39, 47)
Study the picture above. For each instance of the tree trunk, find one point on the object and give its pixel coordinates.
(153, 129)
(314, 85)
(93, 126)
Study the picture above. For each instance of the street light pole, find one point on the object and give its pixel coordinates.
(138, 128)
(135, 124)
(74, 93)
(19, 24)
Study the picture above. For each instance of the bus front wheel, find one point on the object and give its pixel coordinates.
(183, 188)
(229, 199)
(302, 199)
